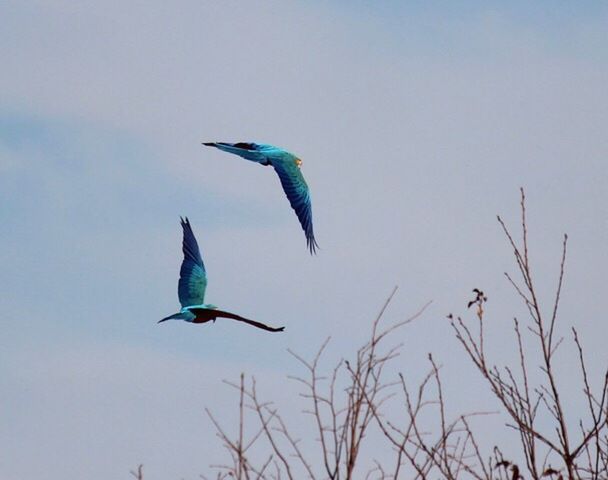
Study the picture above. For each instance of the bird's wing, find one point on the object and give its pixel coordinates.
(221, 313)
(297, 192)
(192, 276)
(250, 151)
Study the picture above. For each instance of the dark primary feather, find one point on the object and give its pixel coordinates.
(192, 275)
(296, 189)
(250, 322)
(206, 314)
(245, 145)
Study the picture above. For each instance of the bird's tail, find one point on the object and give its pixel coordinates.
(175, 316)
(242, 149)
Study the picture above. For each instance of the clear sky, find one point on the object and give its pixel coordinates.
(417, 123)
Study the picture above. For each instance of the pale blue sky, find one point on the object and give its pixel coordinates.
(417, 123)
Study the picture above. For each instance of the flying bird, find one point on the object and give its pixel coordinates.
(287, 166)
(192, 285)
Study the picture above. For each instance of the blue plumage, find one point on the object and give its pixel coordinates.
(192, 284)
(287, 166)
(192, 275)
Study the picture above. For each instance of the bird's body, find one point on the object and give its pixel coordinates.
(287, 166)
(192, 285)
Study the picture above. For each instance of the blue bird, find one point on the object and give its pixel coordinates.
(192, 285)
(287, 166)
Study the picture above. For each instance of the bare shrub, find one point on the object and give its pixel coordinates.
(344, 406)
(555, 450)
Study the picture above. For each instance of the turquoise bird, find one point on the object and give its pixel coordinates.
(287, 166)
(192, 285)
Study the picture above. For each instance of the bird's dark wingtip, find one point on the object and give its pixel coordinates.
(210, 144)
(313, 246)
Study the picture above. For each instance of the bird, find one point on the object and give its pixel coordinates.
(192, 284)
(288, 168)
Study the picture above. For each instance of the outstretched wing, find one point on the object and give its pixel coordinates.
(212, 314)
(192, 276)
(250, 151)
(297, 192)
